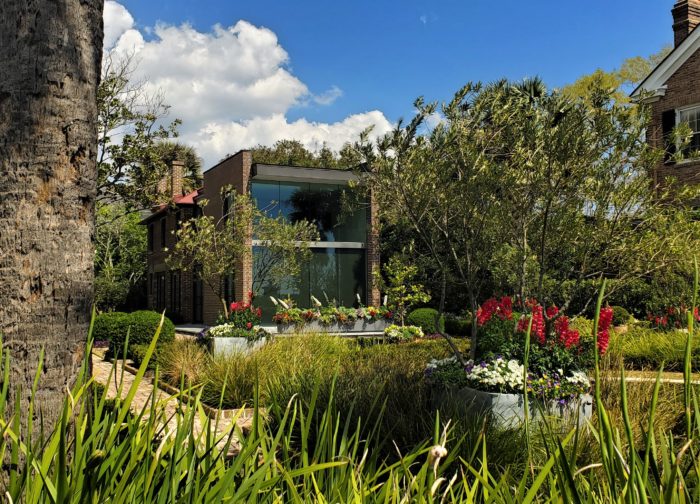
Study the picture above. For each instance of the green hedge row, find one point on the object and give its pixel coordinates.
(140, 326)
(425, 318)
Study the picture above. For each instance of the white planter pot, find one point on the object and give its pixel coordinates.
(228, 346)
(508, 410)
(376, 326)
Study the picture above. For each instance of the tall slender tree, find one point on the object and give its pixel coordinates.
(51, 53)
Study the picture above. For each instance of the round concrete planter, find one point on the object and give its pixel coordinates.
(228, 346)
(376, 326)
(508, 410)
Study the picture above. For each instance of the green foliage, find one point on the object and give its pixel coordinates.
(183, 360)
(493, 336)
(130, 130)
(400, 288)
(458, 326)
(644, 348)
(620, 316)
(111, 326)
(142, 326)
(293, 153)
(120, 256)
(425, 318)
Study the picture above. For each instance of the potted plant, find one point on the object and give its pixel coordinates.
(239, 330)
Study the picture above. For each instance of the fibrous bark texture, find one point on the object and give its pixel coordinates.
(50, 55)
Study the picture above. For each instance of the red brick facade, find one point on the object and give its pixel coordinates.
(673, 87)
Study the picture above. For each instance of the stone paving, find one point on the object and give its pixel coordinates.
(165, 403)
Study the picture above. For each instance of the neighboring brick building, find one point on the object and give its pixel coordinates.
(343, 261)
(673, 92)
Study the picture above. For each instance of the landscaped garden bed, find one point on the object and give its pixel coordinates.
(331, 318)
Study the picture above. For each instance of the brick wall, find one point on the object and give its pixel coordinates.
(234, 171)
(683, 89)
(686, 16)
(372, 251)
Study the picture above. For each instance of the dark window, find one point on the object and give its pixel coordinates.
(197, 297)
(150, 237)
(175, 293)
(229, 294)
(337, 211)
(162, 233)
(228, 200)
(333, 274)
(160, 291)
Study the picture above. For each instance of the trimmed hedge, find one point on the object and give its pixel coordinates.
(425, 319)
(141, 327)
(110, 325)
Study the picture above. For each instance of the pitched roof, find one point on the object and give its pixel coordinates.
(184, 200)
(655, 82)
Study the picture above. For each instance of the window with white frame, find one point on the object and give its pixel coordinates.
(691, 116)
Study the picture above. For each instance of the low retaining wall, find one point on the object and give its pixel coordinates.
(358, 326)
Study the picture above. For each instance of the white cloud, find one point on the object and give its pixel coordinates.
(231, 86)
(218, 139)
(329, 96)
(423, 19)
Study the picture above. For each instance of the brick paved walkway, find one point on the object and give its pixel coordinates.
(167, 403)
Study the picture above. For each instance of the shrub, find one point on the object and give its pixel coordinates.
(425, 319)
(183, 359)
(458, 326)
(110, 325)
(620, 316)
(142, 328)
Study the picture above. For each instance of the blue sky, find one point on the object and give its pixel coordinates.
(381, 55)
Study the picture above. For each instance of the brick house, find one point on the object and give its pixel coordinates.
(342, 263)
(672, 90)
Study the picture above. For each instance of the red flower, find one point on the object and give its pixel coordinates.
(258, 312)
(604, 320)
(234, 306)
(552, 311)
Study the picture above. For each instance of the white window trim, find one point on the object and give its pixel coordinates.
(678, 121)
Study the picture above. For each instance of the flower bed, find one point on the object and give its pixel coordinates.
(558, 354)
(495, 387)
(331, 318)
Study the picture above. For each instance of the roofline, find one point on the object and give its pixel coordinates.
(669, 60)
(225, 159)
(287, 173)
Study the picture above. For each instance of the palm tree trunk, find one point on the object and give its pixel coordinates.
(51, 54)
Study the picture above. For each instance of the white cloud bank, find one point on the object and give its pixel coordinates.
(231, 87)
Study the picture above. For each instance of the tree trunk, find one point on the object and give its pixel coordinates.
(51, 54)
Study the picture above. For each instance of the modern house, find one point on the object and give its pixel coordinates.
(342, 263)
(672, 90)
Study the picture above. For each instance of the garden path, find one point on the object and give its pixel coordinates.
(101, 371)
(650, 377)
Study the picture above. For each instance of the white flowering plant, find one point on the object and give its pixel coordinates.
(401, 333)
(506, 376)
(229, 330)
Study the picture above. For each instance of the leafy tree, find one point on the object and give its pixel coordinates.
(563, 182)
(400, 286)
(134, 146)
(620, 81)
(293, 153)
(120, 256)
(215, 247)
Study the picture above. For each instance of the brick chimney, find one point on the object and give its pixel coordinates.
(686, 16)
(171, 183)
